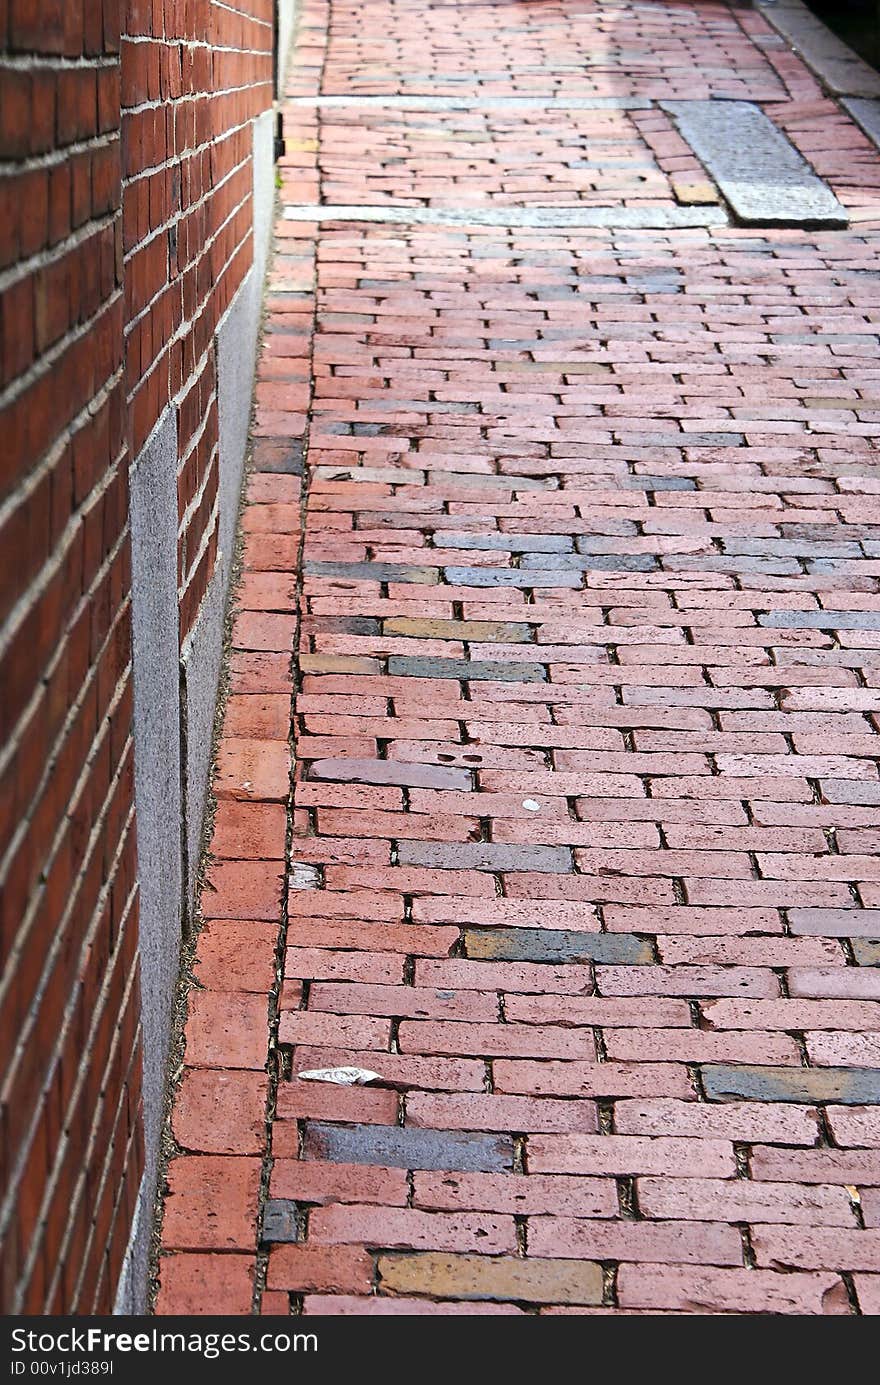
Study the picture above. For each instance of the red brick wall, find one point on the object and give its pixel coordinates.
(194, 74)
(125, 229)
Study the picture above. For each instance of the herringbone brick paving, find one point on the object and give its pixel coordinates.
(583, 579)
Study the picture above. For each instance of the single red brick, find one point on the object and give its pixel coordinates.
(443, 1111)
(840, 983)
(351, 1305)
(687, 981)
(613, 1012)
(235, 955)
(567, 979)
(261, 717)
(491, 1040)
(227, 1029)
(404, 939)
(817, 1247)
(211, 1203)
(249, 831)
(698, 1046)
(855, 1127)
(312, 1181)
(252, 769)
(190, 1285)
(243, 890)
(630, 1154)
(793, 1014)
(313, 963)
(341, 1269)
(868, 1293)
(740, 1200)
(730, 1291)
(537, 1193)
(745, 1121)
(507, 913)
(359, 1031)
(607, 1079)
(219, 1112)
(822, 1165)
(406, 1228)
(413, 1001)
(397, 1070)
(665, 1243)
(298, 1100)
(364, 906)
(251, 672)
(263, 630)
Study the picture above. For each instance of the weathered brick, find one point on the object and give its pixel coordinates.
(411, 1148)
(242, 890)
(615, 1012)
(496, 1040)
(221, 1112)
(854, 1128)
(410, 666)
(630, 1154)
(398, 1070)
(390, 772)
(417, 1002)
(252, 769)
(537, 1193)
(485, 856)
(325, 1268)
(815, 1166)
(280, 1222)
(667, 1243)
(731, 1291)
(351, 1031)
(791, 1014)
(196, 1284)
(740, 1200)
(308, 1181)
(552, 945)
(211, 1203)
(850, 984)
(489, 631)
(816, 1248)
(491, 1277)
(768, 1124)
(225, 1030)
(355, 1305)
(411, 1229)
(606, 1079)
(849, 1086)
(496, 1112)
(235, 954)
(329, 1102)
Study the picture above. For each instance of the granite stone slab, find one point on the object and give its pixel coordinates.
(654, 218)
(763, 178)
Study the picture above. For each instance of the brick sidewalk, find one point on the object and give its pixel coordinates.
(583, 857)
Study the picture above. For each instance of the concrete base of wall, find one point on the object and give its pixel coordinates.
(176, 691)
(286, 20)
(131, 1292)
(157, 782)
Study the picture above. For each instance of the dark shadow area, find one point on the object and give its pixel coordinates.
(856, 22)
